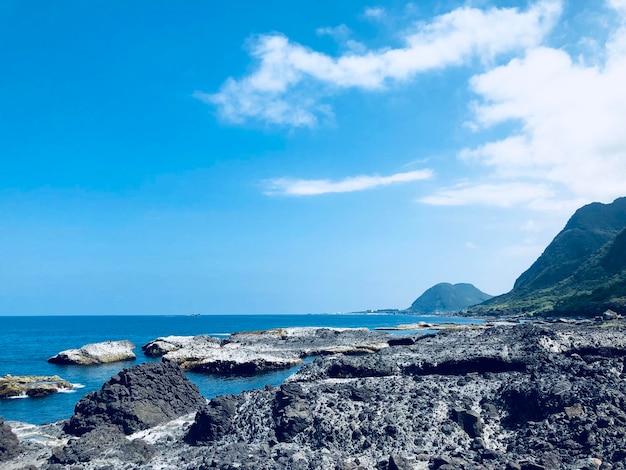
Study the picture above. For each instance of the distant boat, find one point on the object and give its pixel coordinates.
(193, 315)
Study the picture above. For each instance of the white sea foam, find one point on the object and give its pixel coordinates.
(23, 395)
(78, 386)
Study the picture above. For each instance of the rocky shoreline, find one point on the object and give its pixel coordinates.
(526, 396)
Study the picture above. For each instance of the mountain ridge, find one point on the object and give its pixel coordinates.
(582, 271)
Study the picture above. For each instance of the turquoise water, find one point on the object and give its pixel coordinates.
(27, 342)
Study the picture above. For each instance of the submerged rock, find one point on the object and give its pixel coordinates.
(137, 398)
(32, 385)
(96, 353)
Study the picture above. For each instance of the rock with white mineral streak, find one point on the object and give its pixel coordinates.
(160, 346)
(258, 351)
(97, 353)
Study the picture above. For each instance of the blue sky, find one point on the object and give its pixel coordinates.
(292, 157)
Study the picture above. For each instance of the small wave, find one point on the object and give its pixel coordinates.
(219, 334)
(78, 386)
(23, 395)
(66, 390)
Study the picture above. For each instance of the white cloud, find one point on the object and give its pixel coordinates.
(569, 145)
(618, 5)
(498, 194)
(290, 79)
(571, 121)
(300, 187)
(374, 12)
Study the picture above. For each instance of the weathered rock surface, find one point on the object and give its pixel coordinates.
(528, 396)
(9, 444)
(96, 353)
(214, 420)
(32, 385)
(253, 352)
(105, 442)
(160, 346)
(137, 398)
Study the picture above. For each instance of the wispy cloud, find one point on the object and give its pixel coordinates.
(301, 187)
(290, 79)
(342, 34)
(539, 196)
(374, 12)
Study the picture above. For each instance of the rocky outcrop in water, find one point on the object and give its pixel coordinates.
(161, 346)
(33, 386)
(96, 353)
(527, 396)
(137, 398)
(254, 352)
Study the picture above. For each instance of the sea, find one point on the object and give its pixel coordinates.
(26, 342)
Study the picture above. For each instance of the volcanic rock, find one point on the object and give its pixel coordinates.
(213, 420)
(96, 353)
(9, 444)
(105, 441)
(137, 398)
(517, 396)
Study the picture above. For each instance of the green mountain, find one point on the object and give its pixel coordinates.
(445, 297)
(581, 272)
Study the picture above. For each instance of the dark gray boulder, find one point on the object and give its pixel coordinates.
(137, 398)
(9, 444)
(213, 420)
(291, 412)
(470, 421)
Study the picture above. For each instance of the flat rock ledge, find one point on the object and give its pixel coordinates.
(33, 386)
(253, 352)
(96, 353)
(514, 397)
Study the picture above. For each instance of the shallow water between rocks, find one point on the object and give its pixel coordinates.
(27, 342)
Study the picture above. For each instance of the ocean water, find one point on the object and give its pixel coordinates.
(27, 342)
